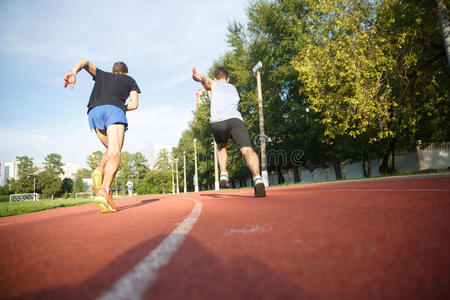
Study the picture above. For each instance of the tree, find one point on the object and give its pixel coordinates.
(66, 186)
(94, 159)
(133, 166)
(53, 165)
(419, 78)
(162, 162)
(155, 182)
(48, 185)
(375, 71)
(26, 175)
(140, 165)
(344, 69)
(125, 169)
(79, 186)
(49, 180)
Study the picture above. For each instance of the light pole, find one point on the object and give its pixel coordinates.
(173, 182)
(216, 169)
(184, 170)
(256, 70)
(195, 166)
(176, 171)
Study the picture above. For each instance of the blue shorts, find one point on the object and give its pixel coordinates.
(102, 116)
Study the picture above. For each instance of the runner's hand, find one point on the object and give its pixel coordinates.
(196, 76)
(69, 79)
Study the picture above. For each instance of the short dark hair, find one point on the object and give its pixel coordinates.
(220, 73)
(120, 67)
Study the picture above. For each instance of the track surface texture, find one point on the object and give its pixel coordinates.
(374, 239)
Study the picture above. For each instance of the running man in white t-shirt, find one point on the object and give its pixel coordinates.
(226, 121)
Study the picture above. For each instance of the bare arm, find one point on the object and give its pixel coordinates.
(134, 102)
(71, 77)
(207, 82)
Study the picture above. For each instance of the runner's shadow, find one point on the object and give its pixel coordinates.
(194, 272)
(143, 202)
(225, 196)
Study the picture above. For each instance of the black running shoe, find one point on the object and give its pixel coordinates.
(259, 187)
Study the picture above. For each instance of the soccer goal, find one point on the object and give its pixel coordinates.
(83, 195)
(24, 197)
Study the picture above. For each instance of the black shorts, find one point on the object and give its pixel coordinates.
(234, 128)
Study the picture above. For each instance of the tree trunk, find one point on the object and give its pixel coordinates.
(337, 168)
(384, 167)
(393, 160)
(366, 169)
(280, 175)
(297, 177)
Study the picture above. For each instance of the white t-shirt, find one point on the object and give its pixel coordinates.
(224, 102)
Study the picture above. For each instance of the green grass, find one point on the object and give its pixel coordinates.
(19, 208)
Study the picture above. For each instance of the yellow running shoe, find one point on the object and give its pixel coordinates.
(104, 201)
(96, 180)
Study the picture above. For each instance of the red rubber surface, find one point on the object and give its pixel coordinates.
(350, 240)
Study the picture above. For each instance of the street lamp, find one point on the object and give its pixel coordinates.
(173, 182)
(184, 170)
(216, 169)
(256, 69)
(195, 166)
(176, 170)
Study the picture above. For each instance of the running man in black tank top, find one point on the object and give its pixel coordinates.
(107, 115)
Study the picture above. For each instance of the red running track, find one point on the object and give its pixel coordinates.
(377, 239)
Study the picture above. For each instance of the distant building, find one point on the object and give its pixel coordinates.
(70, 170)
(9, 170)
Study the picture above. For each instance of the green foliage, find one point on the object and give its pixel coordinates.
(53, 165)
(4, 190)
(47, 185)
(49, 180)
(26, 173)
(94, 159)
(375, 71)
(66, 186)
(78, 185)
(344, 68)
(341, 79)
(163, 161)
(155, 182)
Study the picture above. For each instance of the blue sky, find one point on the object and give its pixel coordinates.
(160, 41)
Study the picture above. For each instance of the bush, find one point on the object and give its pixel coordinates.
(4, 198)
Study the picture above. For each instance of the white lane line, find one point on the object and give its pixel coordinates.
(134, 284)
